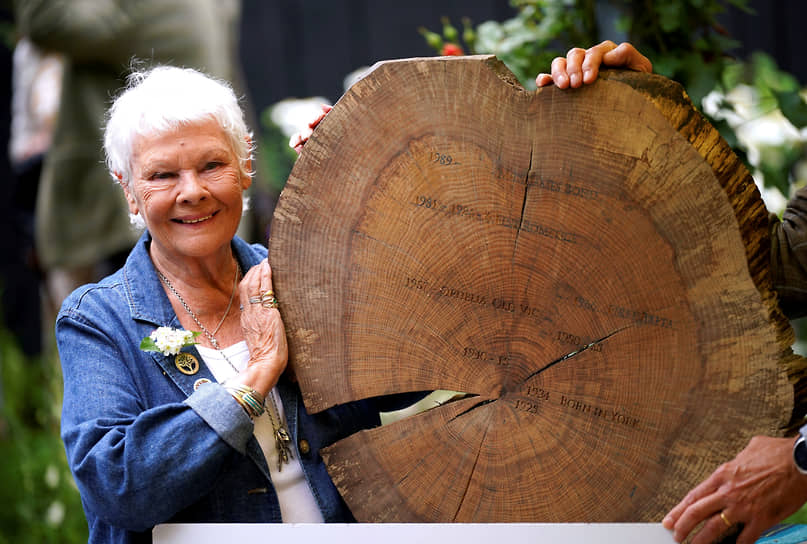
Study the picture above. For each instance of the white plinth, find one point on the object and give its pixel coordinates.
(415, 533)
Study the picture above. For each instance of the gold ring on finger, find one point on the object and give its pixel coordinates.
(725, 520)
(268, 294)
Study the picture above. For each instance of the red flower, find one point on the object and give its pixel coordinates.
(452, 49)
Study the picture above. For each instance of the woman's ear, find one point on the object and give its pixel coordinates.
(133, 209)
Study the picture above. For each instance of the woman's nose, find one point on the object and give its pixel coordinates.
(191, 188)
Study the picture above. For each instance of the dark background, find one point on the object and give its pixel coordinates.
(301, 48)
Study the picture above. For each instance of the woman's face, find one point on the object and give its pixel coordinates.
(187, 186)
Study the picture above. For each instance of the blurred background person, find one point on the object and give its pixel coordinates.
(81, 228)
(36, 84)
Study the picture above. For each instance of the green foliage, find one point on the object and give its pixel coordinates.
(275, 156)
(40, 501)
(775, 94)
(683, 39)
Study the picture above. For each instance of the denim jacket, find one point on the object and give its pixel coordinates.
(147, 447)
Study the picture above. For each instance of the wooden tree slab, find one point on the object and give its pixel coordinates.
(590, 266)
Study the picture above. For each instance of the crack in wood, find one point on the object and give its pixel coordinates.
(572, 354)
(474, 407)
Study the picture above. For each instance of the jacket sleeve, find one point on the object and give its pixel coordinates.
(137, 465)
(789, 256)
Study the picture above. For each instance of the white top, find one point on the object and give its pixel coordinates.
(297, 503)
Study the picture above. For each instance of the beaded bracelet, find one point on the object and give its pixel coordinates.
(250, 400)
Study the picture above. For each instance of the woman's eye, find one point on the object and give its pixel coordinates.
(212, 165)
(162, 175)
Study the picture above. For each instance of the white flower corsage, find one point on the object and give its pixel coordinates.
(168, 341)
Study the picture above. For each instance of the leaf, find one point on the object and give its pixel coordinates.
(669, 15)
(793, 107)
(767, 74)
(775, 177)
(147, 344)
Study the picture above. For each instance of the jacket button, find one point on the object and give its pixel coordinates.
(304, 447)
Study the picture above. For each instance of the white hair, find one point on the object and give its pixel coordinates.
(163, 98)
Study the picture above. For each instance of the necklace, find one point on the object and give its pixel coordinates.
(281, 435)
(207, 333)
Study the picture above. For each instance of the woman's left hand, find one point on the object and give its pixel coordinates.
(263, 330)
(298, 139)
(581, 66)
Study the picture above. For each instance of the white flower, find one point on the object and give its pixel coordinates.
(168, 341)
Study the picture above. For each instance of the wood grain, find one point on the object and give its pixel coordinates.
(590, 266)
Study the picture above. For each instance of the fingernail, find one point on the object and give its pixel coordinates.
(587, 75)
(575, 79)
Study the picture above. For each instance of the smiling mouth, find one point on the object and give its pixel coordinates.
(197, 220)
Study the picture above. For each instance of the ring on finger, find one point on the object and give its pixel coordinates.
(270, 302)
(254, 299)
(725, 520)
(268, 294)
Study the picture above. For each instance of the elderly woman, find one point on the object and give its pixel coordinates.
(181, 434)
(164, 425)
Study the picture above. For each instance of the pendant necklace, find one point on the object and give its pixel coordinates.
(281, 435)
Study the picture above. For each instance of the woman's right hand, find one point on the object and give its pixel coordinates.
(263, 330)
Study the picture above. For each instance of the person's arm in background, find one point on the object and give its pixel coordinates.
(789, 256)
